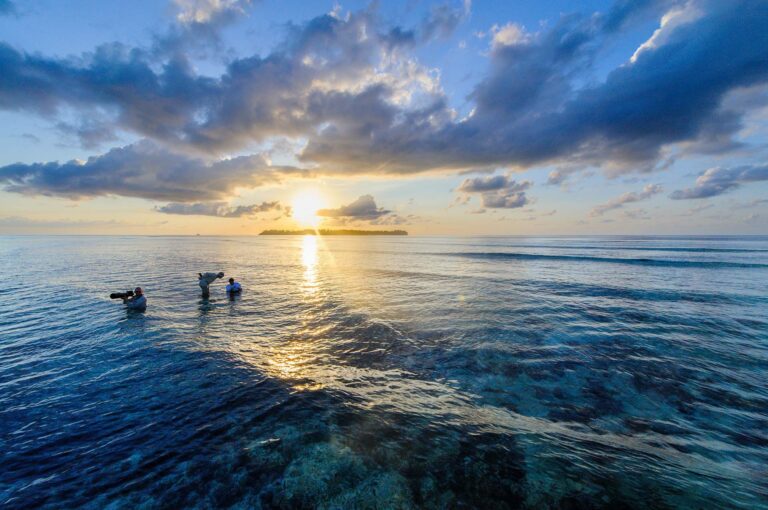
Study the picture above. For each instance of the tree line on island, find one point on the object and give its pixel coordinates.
(328, 232)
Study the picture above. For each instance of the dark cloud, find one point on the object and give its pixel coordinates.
(91, 133)
(717, 181)
(220, 209)
(623, 11)
(142, 170)
(489, 183)
(529, 111)
(627, 198)
(504, 200)
(351, 89)
(497, 191)
(364, 208)
(117, 78)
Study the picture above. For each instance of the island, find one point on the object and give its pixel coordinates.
(327, 232)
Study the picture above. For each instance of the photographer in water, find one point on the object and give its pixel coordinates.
(233, 287)
(205, 279)
(136, 302)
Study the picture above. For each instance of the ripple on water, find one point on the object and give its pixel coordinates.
(386, 373)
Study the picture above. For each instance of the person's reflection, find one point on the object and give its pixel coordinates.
(135, 321)
(205, 305)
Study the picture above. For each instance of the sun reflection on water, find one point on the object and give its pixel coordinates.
(295, 360)
(309, 259)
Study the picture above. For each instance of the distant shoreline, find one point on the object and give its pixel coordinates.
(328, 232)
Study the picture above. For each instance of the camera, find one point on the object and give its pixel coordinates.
(121, 295)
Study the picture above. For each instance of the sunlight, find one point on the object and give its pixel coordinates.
(305, 206)
(309, 259)
(309, 251)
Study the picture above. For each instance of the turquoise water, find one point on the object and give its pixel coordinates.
(389, 372)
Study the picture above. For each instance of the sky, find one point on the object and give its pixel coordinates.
(229, 117)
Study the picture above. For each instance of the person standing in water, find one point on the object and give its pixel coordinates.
(205, 279)
(136, 302)
(233, 286)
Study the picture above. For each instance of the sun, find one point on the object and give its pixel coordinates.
(305, 206)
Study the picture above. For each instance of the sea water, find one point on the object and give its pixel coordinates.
(385, 372)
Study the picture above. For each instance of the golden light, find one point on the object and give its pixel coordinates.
(305, 206)
(309, 252)
(309, 259)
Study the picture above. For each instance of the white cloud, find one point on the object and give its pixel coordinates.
(510, 34)
(669, 23)
(204, 11)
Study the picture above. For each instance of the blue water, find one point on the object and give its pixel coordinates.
(390, 372)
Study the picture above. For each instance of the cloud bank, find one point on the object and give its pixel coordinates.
(222, 209)
(143, 170)
(352, 89)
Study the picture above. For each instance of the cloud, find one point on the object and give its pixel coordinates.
(637, 214)
(627, 198)
(695, 210)
(364, 208)
(489, 183)
(504, 200)
(508, 35)
(556, 177)
(91, 133)
(220, 209)
(716, 181)
(353, 89)
(206, 11)
(198, 27)
(395, 219)
(752, 203)
(623, 11)
(496, 191)
(142, 170)
(530, 109)
(442, 20)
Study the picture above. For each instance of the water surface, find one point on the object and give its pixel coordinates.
(387, 372)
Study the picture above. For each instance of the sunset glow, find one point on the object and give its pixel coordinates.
(304, 208)
(384, 254)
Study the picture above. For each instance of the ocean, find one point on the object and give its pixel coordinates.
(385, 372)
